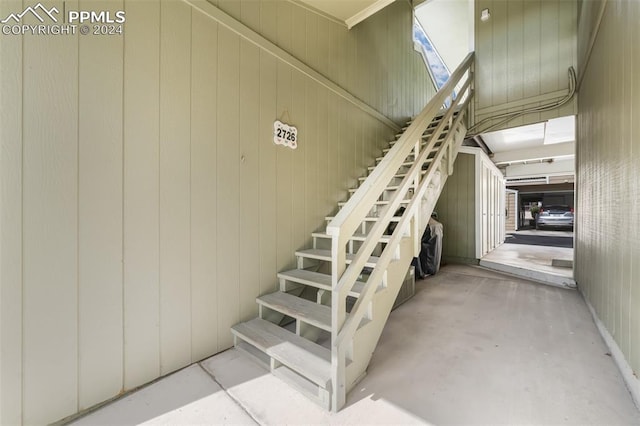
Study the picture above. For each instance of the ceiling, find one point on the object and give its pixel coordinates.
(544, 149)
(349, 12)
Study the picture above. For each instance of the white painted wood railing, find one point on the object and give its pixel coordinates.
(351, 216)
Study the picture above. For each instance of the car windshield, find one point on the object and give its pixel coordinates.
(556, 209)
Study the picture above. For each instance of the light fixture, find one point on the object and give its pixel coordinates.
(485, 15)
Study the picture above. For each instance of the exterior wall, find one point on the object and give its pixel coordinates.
(456, 209)
(471, 208)
(144, 205)
(374, 60)
(522, 57)
(607, 251)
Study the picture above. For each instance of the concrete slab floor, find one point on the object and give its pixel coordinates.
(472, 347)
(534, 262)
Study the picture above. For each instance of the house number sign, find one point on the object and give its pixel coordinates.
(286, 135)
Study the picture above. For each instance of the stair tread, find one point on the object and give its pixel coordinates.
(369, 218)
(400, 175)
(355, 237)
(299, 308)
(326, 256)
(377, 203)
(301, 355)
(437, 145)
(318, 280)
(425, 137)
(388, 188)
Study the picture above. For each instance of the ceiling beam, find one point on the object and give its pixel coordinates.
(534, 154)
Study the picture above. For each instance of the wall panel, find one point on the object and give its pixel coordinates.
(50, 227)
(456, 210)
(607, 249)
(141, 193)
(204, 238)
(249, 186)
(227, 184)
(268, 173)
(100, 200)
(175, 177)
(523, 53)
(11, 220)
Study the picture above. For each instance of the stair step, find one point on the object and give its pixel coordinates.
(405, 164)
(298, 308)
(437, 145)
(388, 188)
(317, 280)
(399, 176)
(425, 138)
(355, 237)
(377, 203)
(325, 255)
(368, 218)
(297, 353)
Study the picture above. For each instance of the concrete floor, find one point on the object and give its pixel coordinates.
(472, 347)
(532, 262)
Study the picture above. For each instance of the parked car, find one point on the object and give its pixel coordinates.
(555, 217)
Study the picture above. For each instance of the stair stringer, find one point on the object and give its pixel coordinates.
(366, 338)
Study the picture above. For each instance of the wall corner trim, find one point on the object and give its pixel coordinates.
(630, 380)
(253, 37)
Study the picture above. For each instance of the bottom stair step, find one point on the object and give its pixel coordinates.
(306, 358)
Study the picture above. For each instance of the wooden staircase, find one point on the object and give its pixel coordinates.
(319, 331)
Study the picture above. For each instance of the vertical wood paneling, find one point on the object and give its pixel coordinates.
(325, 203)
(100, 198)
(532, 61)
(250, 12)
(298, 27)
(284, 174)
(11, 218)
(249, 251)
(204, 256)
(607, 176)
(50, 227)
(227, 179)
(456, 210)
(524, 51)
(136, 194)
(499, 37)
(323, 46)
(484, 58)
(141, 193)
(514, 53)
(284, 19)
(300, 235)
(269, 19)
(268, 185)
(175, 175)
(313, 214)
(231, 7)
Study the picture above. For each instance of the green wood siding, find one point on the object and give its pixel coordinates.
(144, 204)
(607, 250)
(457, 211)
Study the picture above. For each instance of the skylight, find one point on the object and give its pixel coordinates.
(438, 70)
